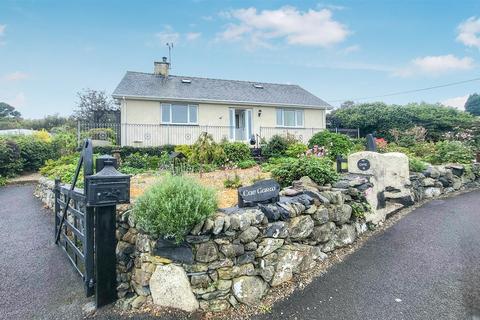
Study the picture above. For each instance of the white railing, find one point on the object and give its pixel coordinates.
(301, 134)
(149, 135)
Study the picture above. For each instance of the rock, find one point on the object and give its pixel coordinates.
(224, 285)
(321, 215)
(345, 235)
(324, 232)
(142, 243)
(170, 287)
(197, 229)
(269, 245)
(251, 246)
(432, 172)
(361, 227)
(215, 295)
(232, 250)
(218, 225)
(288, 262)
(208, 226)
(428, 182)
(233, 301)
(276, 230)
(206, 252)
(341, 214)
(249, 290)
(239, 221)
(176, 252)
(267, 273)
(197, 239)
(218, 305)
(271, 212)
(226, 223)
(341, 184)
(249, 234)
(328, 246)
(124, 251)
(432, 192)
(457, 183)
(200, 280)
(334, 197)
(289, 192)
(300, 227)
(247, 257)
(89, 309)
(317, 196)
(220, 264)
(138, 302)
(305, 183)
(236, 271)
(445, 182)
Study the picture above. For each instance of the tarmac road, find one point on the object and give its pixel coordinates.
(427, 266)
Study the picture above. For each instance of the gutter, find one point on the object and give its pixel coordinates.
(234, 102)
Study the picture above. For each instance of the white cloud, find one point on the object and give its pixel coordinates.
(190, 36)
(456, 102)
(469, 32)
(351, 49)
(309, 28)
(16, 76)
(435, 65)
(18, 101)
(167, 35)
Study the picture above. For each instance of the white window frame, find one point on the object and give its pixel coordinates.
(295, 112)
(170, 105)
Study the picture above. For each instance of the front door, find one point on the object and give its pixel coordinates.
(240, 124)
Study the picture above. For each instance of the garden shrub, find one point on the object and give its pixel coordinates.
(34, 152)
(63, 168)
(107, 134)
(452, 152)
(276, 147)
(3, 181)
(173, 206)
(296, 150)
(336, 144)
(232, 183)
(416, 165)
(320, 170)
(64, 141)
(236, 151)
(245, 164)
(185, 149)
(10, 158)
(207, 151)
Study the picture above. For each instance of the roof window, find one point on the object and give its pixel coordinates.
(186, 80)
(258, 85)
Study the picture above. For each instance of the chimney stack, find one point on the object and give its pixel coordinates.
(161, 68)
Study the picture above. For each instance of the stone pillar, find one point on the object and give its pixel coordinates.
(390, 177)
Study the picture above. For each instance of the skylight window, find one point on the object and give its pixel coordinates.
(186, 80)
(258, 86)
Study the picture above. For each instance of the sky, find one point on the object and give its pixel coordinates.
(338, 50)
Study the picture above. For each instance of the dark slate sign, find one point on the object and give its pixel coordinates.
(363, 164)
(260, 192)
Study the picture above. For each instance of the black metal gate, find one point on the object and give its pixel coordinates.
(85, 222)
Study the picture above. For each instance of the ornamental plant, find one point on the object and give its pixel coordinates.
(320, 170)
(336, 144)
(276, 147)
(173, 206)
(236, 151)
(452, 152)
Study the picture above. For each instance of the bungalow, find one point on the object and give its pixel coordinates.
(158, 108)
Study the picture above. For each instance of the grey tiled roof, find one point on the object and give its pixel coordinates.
(156, 87)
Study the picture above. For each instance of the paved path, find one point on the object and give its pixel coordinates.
(427, 266)
(36, 280)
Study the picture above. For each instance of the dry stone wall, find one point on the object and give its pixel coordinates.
(238, 255)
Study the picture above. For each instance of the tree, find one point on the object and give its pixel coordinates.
(95, 106)
(8, 112)
(472, 105)
(347, 104)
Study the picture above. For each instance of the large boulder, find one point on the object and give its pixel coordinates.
(300, 227)
(324, 232)
(345, 235)
(170, 287)
(341, 214)
(249, 289)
